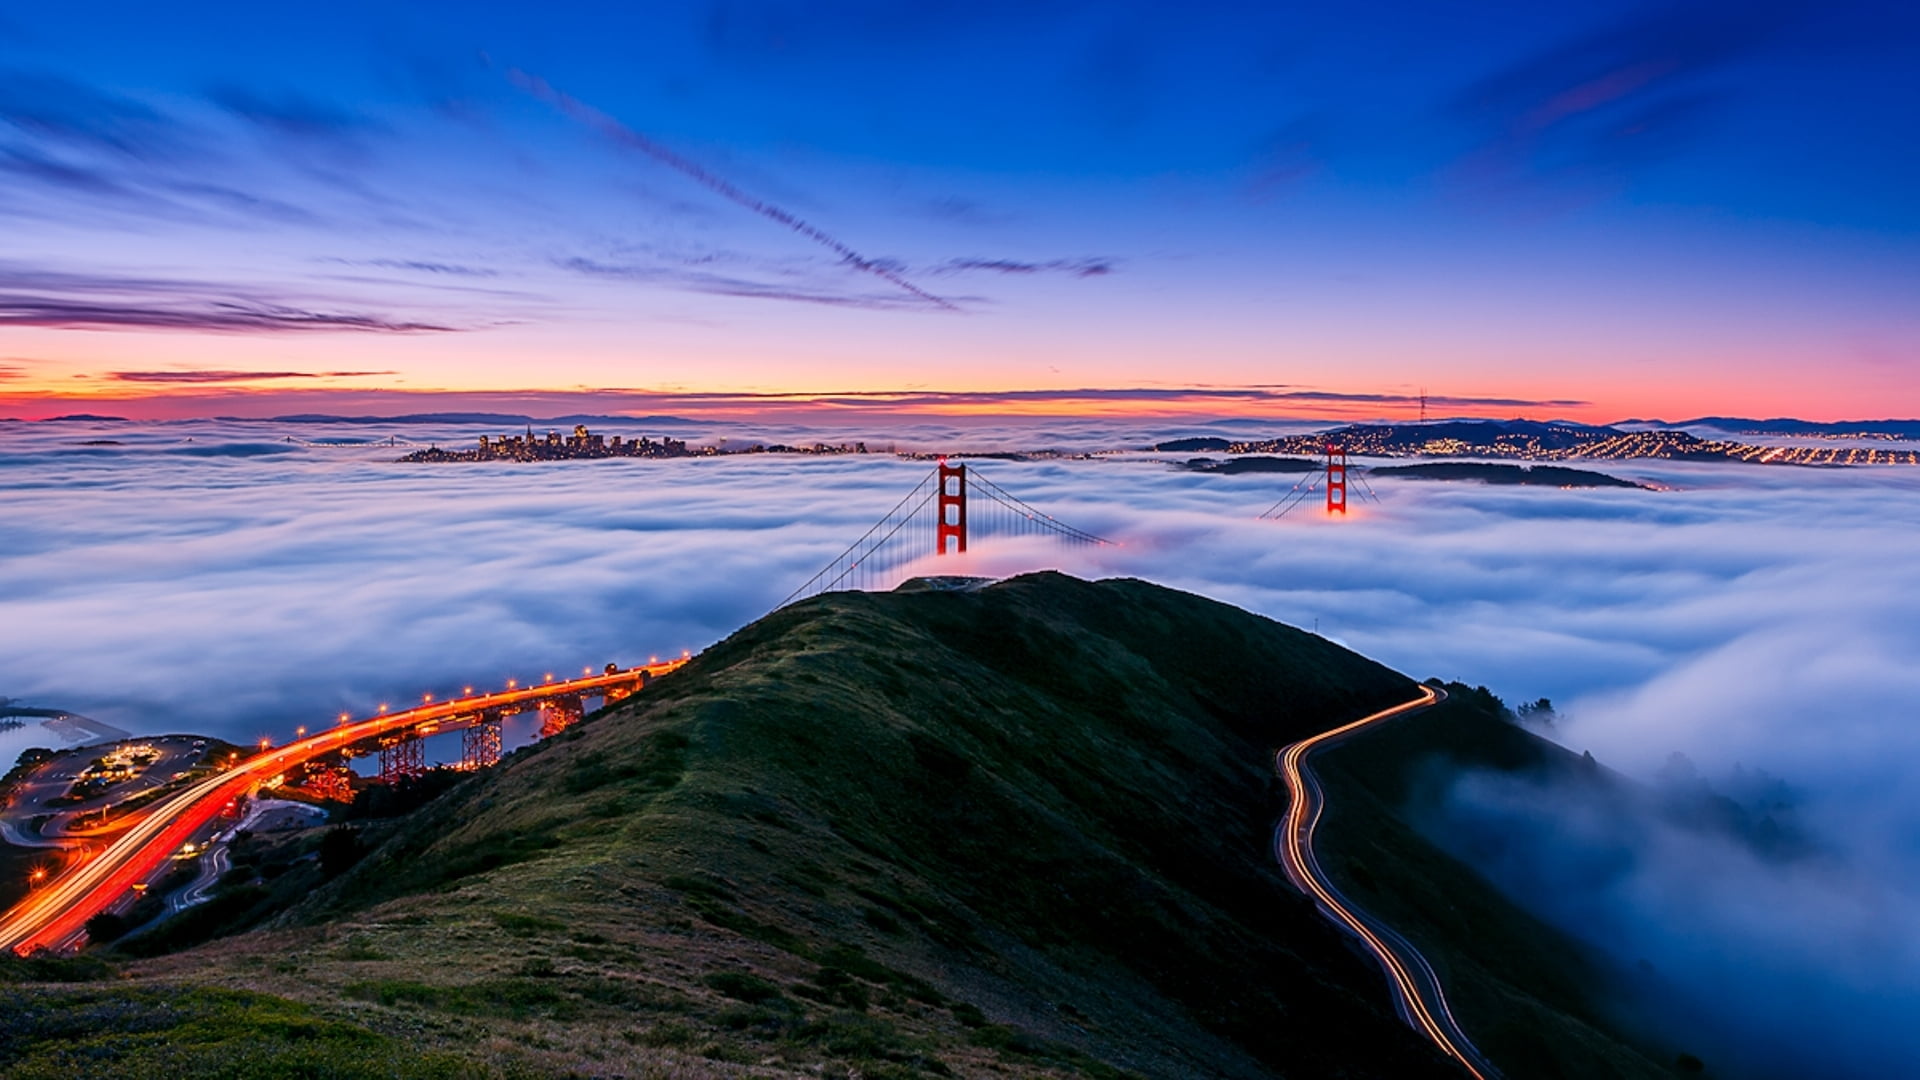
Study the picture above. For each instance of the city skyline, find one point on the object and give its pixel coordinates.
(1596, 212)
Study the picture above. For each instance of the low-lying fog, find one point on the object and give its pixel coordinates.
(1768, 617)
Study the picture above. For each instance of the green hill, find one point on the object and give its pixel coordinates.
(1020, 830)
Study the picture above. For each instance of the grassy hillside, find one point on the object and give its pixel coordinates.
(1023, 830)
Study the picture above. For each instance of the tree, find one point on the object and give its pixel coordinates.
(340, 848)
(1541, 711)
(106, 927)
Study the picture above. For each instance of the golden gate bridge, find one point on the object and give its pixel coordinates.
(1333, 480)
(937, 518)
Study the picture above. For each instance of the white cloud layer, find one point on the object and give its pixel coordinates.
(1768, 616)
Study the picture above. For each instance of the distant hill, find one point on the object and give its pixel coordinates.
(1202, 445)
(1024, 829)
(1528, 440)
(1496, 473)
(1734, 425)
(1251, 463)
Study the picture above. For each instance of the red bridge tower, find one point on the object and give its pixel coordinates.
(1336, 480)
(952, 505)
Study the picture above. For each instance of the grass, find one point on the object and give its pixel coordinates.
(113, 1033)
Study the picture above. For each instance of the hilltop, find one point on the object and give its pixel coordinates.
(1023, 829)
(1556, 440)
(1499, 474)
(1784, 425)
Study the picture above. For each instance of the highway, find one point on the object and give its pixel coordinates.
(55, 915)
(40, 792)
(1418, 995)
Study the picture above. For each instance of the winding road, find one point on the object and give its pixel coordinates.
(1418, 995)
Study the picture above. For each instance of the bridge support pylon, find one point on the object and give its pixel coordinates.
(560, 713)
(402, 757)
(952, 506)
(1336, 480)
(329, 780)
(621, 693)
(480, 744)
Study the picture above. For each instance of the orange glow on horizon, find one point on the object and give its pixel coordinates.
(1589, 400)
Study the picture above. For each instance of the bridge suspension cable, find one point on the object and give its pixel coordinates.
(1298, 494)
(858, 564)
(1023, 520)
(936, 517)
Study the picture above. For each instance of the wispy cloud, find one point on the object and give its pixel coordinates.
(73, 141)
(626, 136)
(1632, 92)
(1223, 395)
(1070, 267)
(426, 267)
(60, 110)
(231, 316)
(1177, 410)
(34, 296)
(682, 276)
(962, 211)
(211, 376)
(293, 114)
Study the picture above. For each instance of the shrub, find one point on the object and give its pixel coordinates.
(523, 925)
(741, 986)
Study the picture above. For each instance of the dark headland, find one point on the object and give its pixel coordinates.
(1019, 830)
(1487, 472)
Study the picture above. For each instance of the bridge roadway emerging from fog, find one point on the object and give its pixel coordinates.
(55, 915)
